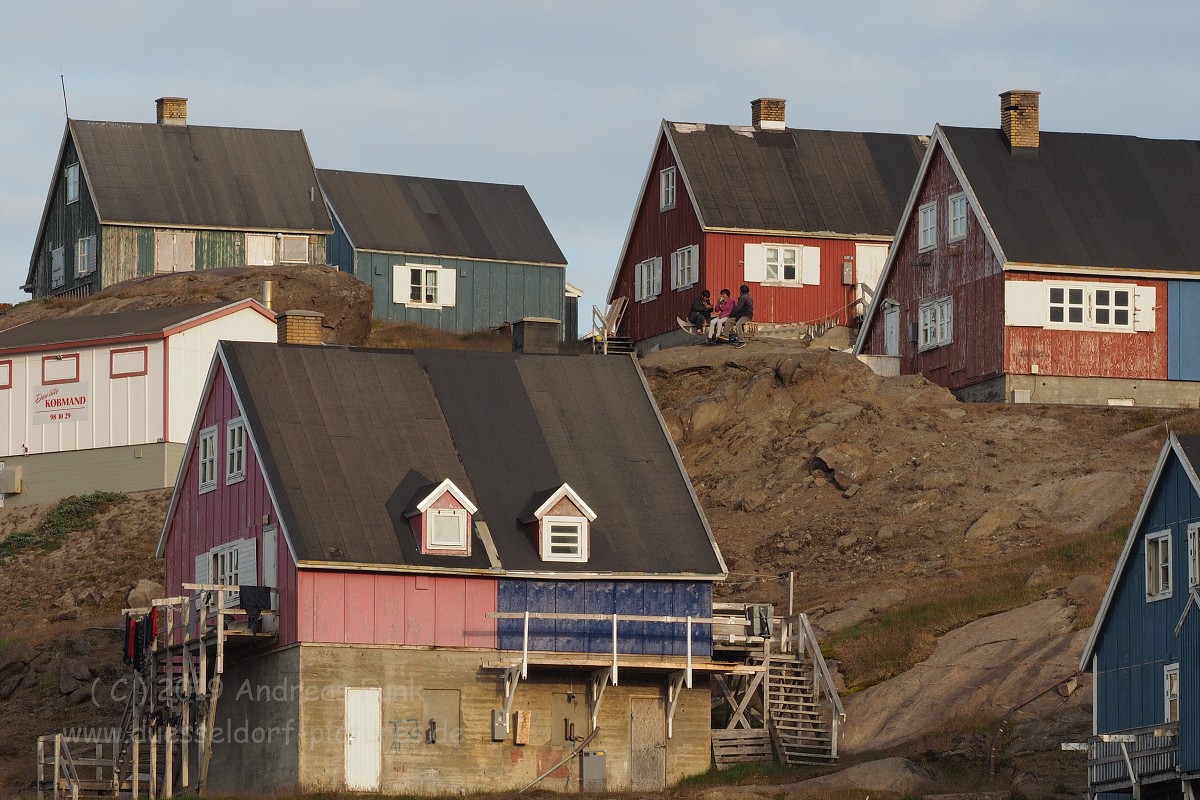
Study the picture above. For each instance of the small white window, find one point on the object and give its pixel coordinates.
(1193, 534)
(683, 267)
(958, 217)
(293, 249)
(58, 267)
(1097, 306)
(447, 528)
(783, 264)
(564, 539)
(423, 286)
(1171, 693)
(260, 250)
(72, 175)
(927, 217)
(937, 323)
(85, 256)
(207, 459)
(647, 279)
(235, 450)
(666, 189)
(1158, 566)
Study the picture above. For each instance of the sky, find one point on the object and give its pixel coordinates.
(566, 98)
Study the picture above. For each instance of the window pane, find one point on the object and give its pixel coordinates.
(447, 530)
(1102, 297)
(1076, 314)
(1121, 298)
(1120, 317)
(1056, 314)
(415, 282)
(1056, 294)
(1101, 316)
(1076, 296)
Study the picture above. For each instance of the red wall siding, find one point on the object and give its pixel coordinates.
(658, 233)
(1076, 353)
(724, 269)
(966, 270)
(202, 521)
(396, 609)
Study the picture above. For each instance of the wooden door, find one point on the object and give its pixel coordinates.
(891, 331)
(647, 744)
(364, 736)
(868, 266)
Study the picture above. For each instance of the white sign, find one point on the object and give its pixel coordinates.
(66, 403)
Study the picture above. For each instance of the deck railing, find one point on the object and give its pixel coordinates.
(1133, 757)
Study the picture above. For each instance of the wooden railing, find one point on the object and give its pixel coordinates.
(1115, 762)
(63, 779)
(798, 637)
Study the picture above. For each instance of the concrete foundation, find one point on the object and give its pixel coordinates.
(47, 477)
(1083, 391)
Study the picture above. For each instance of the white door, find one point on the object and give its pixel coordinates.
(891, 331)
(260, 250)
(364, 736)
(270, 573)
(868, 266)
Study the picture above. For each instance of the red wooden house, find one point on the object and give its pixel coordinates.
(449, 537)
(1034, 266)
(802, 217)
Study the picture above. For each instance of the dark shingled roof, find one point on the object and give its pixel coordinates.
(65, 330)
(195, 176)
(349, 437)
(1087, 199)
(397, 213)
(797, 180)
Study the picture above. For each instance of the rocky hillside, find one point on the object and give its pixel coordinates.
(952, 554)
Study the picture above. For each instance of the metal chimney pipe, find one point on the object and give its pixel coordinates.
(268, 292)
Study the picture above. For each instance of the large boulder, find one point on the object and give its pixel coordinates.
(142, 594)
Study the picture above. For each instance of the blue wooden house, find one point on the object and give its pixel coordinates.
(128, 200)
(1144, 648)
(457, 255)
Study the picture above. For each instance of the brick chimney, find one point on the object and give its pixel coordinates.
(171, 110)
(1019, 118)
(299, 327)
(766, 113)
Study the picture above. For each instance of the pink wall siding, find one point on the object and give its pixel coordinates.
(391, 608)
(1142, 354)
(967, 271)
(202, 521)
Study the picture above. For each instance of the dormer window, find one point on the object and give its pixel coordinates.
(441, 518)
(561, 526)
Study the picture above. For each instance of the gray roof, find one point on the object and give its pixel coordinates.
(1087, 199)
(402, 214)
(350, 437)
(65, 330)
(797, 180)
(196, 176)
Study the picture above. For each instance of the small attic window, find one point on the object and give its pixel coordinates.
(561, 526)
(442, 520)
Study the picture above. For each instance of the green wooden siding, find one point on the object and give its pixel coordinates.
(488, 293)
(66, 224)
(126, 253)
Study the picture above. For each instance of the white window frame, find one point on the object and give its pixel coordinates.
(206, 459)
(1193, 540)
(776, 260)
(235, 450)
(580, 524)
(927, 227)
(1158, 566)
(460, 538)
(287, 241)
(1171, 692)
(1093, 305)
(647, 279)
(58, 267)
(666, 189)
(71, 173)
(956, 216)
(936, 326)
(85, 256)
(683, 267)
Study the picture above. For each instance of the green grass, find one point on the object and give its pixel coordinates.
(71, 515)
(899, 638)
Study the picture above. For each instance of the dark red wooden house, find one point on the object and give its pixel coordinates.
(802, 217)
(1034, 266)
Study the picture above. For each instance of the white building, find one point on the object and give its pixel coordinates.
(107, 401)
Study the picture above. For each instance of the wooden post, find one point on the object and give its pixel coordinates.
(41, 767)
(57, 761)
(136, 776)
(169, 777)
(152, 792)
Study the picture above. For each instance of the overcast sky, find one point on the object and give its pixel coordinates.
(566, 97)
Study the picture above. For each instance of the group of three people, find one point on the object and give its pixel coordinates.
(705, 316)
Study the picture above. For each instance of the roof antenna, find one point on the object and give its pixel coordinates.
(63, 81)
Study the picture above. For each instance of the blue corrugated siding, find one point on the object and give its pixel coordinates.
(1138, 638)
(338, 252)
(1183, 330)
(488, 293)
(657, 598)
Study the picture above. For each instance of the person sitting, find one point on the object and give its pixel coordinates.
(743, 312)
(701, 311)
(720, 314)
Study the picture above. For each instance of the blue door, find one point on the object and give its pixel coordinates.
(1183, 330)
